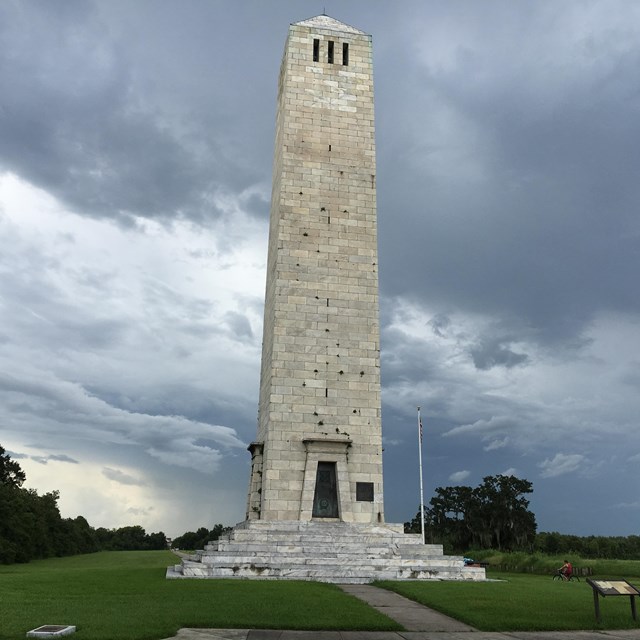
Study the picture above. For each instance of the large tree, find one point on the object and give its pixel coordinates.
(10, 472)
(198, 539)
(494, 514)
(504, 511)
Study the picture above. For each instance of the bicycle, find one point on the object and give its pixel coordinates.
(558, 575)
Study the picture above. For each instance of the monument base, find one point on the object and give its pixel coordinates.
(323, 551)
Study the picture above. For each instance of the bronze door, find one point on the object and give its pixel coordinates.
(325, 499)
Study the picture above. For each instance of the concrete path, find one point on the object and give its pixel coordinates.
(421, 623)
(411, 615)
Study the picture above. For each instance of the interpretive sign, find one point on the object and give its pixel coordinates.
(606, 588)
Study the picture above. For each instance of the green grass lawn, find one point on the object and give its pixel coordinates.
(125, 596)
(520, 602)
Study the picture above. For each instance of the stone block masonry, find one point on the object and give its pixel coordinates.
(320, 378)
(315, 501)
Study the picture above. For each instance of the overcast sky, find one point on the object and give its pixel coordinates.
(136, 141)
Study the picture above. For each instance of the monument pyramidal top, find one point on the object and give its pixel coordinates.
(315, 504)
(327, 22)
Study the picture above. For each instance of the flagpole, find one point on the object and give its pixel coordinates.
(421, 491)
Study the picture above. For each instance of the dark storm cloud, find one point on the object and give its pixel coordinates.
(33, 395)
(513, 164)
(44, 459)
(239, 325)
(171, 303)
(439, 324)
(76, 119)
(62, 458)
(506, 148)
(121, 477)
(56, 458)
(139, 511)
(43, 310)
(493, 352)
(16, 455)
(406, 358)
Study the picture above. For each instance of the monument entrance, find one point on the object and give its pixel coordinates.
(325, 500)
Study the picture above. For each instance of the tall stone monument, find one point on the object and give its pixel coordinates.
(315, 502)
(319, 448)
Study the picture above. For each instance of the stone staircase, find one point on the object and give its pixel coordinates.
(324, 551)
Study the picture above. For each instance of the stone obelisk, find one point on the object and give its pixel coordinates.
(318, 452)
(315, 503)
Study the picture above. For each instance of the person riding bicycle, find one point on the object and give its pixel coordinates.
(566, 570)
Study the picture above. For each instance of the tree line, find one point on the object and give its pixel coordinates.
(496, 515)
(493, 515)
(198, 539)
(605, 547)
(31, 527)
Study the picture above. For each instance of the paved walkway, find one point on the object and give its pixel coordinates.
(411, 615)
(421, 623)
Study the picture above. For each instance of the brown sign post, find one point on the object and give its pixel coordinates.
(606, 588)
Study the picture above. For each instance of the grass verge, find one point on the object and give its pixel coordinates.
(124, 596)
(517, 602)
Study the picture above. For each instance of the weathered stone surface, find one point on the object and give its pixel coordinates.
(320, 376)
(315, 502)
(327, 552)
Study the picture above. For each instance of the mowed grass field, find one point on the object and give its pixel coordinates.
(521, 602)
(125, 596)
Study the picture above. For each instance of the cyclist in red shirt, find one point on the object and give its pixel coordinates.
(566, 570)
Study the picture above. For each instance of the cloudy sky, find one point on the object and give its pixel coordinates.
(136, 141)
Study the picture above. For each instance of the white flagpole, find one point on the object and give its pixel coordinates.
(421, 491)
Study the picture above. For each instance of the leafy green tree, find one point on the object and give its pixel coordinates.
(77, 536)
(31, 526)
(448, 515)
(11, 473)
(493, 515)
(104, 537)
(198, 539)
(502, 507)
(16, 525)
(129, 538)
(156, 541)
(132, 538)
(548, 542)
